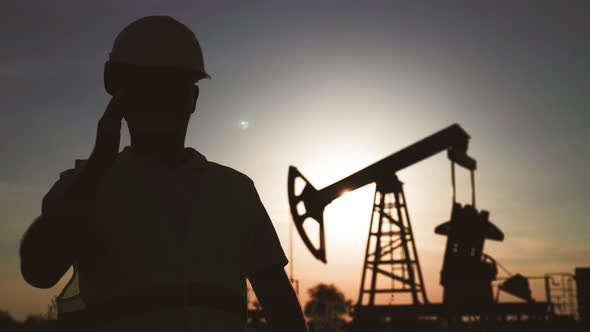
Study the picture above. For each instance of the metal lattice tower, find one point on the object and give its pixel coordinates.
(391, 262)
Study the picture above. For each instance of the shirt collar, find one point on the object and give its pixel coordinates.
(194, 160)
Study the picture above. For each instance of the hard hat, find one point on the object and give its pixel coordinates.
(156, 41)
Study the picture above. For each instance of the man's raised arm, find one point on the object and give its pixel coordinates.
(51, 244)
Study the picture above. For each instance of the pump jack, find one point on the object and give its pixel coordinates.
(391, 255)
(391, 249)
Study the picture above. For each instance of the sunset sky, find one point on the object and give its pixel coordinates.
(329, 87)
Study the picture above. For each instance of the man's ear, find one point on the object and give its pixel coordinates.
(195, 97)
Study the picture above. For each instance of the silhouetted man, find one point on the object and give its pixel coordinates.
(161, 238)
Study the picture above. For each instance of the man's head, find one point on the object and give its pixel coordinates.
(154, 65)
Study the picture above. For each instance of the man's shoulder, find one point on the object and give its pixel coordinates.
(227, 173)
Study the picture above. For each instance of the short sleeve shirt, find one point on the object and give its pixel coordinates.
(154, 224)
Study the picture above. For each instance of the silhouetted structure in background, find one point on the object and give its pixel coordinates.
(391, 250)
(582, 276)
(467, 272)
(467, 275)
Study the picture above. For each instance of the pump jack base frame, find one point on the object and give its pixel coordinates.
(379, 316)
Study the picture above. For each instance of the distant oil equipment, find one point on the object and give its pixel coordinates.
(467, 272)
(468, 275)
(391, 250)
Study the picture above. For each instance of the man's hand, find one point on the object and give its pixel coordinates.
(108, 134)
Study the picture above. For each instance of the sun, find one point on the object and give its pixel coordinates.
(347, 223)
